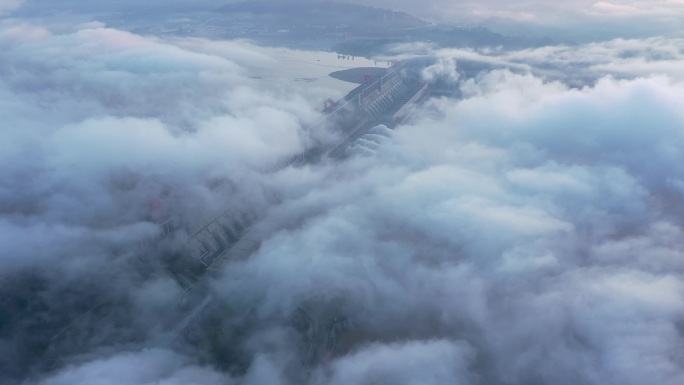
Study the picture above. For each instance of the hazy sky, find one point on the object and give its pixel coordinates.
(580, 20)
(541, 11)
(529, 232)
(549, 11)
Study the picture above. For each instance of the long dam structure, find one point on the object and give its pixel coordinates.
(387, 100)
(197, 249)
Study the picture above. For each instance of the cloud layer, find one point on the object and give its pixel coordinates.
(528, 233)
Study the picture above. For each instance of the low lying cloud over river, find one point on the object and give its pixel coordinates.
(529, 232)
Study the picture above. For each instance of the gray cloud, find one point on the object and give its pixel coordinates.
(7, 6)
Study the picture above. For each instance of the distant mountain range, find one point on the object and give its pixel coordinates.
(349, 29)
(318, 14)
(356, 29)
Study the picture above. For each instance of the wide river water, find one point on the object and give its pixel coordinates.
(310, 68)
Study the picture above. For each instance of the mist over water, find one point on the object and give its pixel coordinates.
(527, 232)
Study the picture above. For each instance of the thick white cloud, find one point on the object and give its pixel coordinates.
(148, 367)
(97, 122)
(428, 362)
(536, 225)
(575, 65)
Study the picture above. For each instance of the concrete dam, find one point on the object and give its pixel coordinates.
(234, 235)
